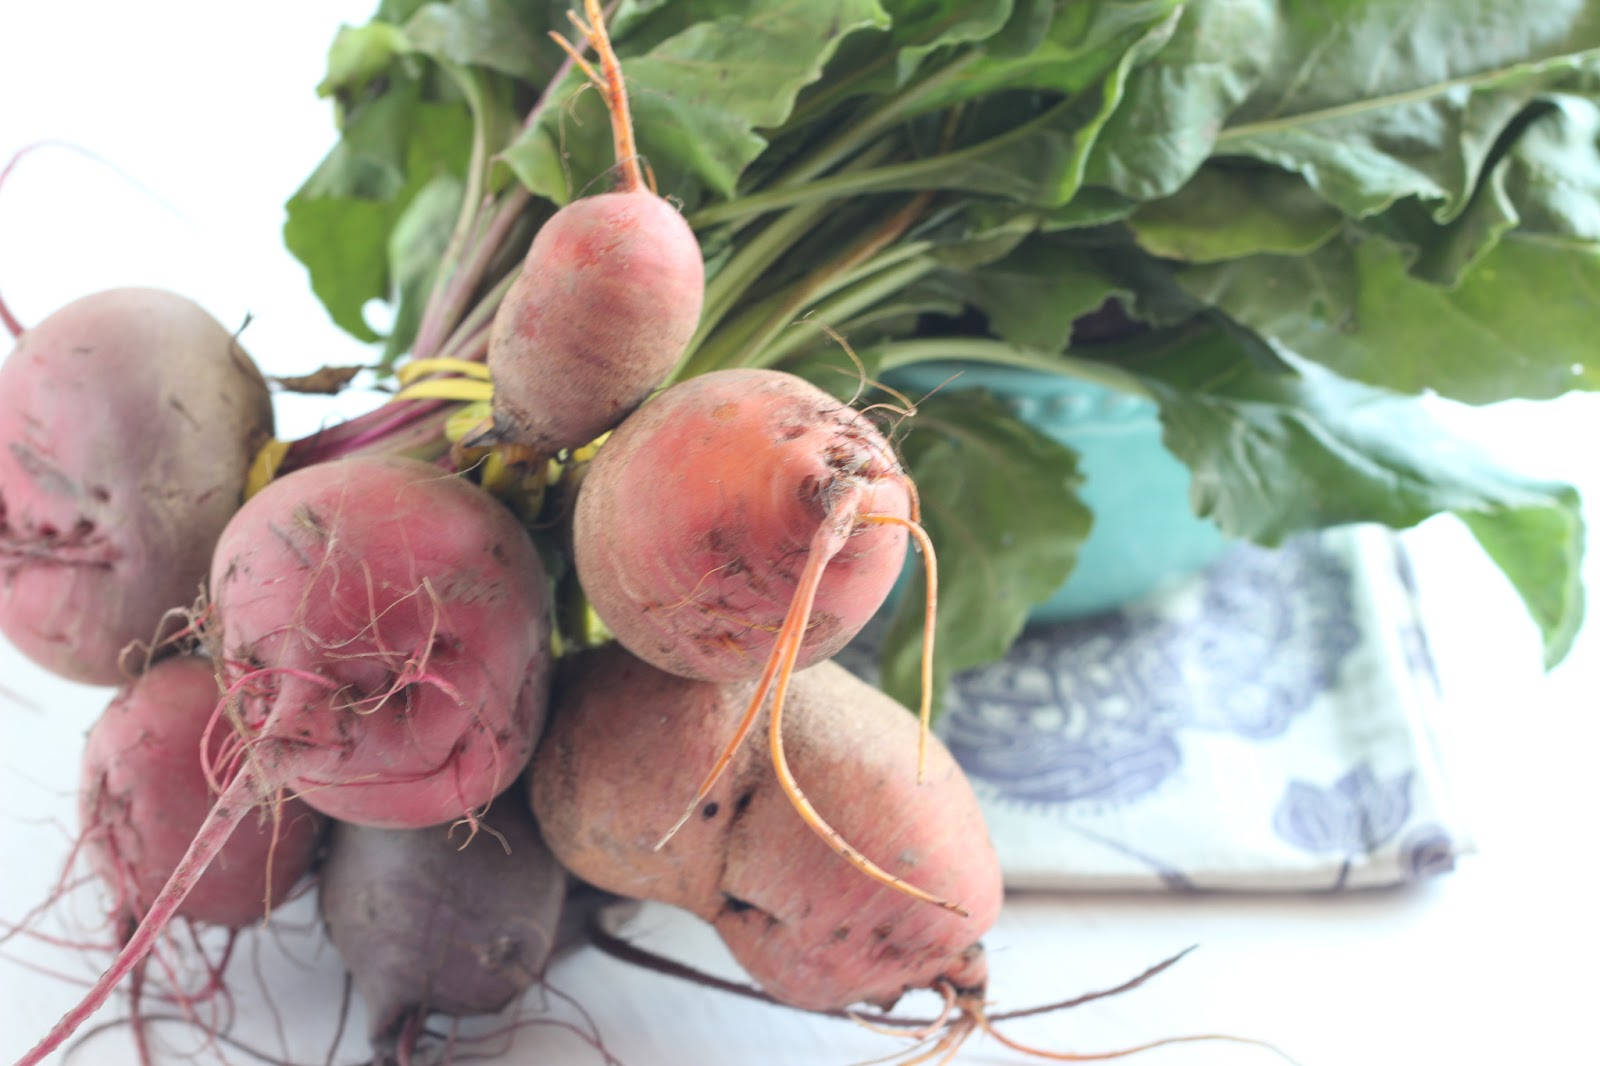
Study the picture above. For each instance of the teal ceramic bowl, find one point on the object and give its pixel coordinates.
(1144, 532)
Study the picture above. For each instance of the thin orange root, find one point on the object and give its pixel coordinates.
(751, 712)
(947, 1046)
(825, 544)
(608, 79)
(816, 560)
(789, 641)
(930, 615)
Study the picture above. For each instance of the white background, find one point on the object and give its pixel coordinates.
(207, 112)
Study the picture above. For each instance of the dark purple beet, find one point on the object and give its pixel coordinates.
(427, 926)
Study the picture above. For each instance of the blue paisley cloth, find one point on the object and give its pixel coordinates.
(1261, 726)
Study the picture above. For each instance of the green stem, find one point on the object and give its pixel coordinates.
(823, 190)
(885, 312)
(760, 325)
(721, 348)
(891, 256)
(455, 280)
(478, 318)
(892, 112)
(932, 172)
(444, 300)
(750, 263)
(998, 353)
(848, 302)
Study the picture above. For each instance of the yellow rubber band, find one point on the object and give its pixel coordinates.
(448, 389)
(465, 368)
(264, 467)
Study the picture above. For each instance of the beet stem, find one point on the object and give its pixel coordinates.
(236, 801)
(612, 87)
(444, 305)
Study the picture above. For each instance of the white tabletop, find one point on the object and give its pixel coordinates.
(207, 112)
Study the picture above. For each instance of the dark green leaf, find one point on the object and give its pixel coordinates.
(999, 501)
(1405, 98)
(1023, 31)
(397, 11)
(628, 12)
(502, 35)
(883, 61)
(1061, 288)
(1090, 207)
(359, 54)
(1033, 296)
(1231, 212)
(1553, 175)
(1038, 162)
(977, 232)
(484, 33)
(1082, 44)
(1276, 453)
(1522, 324)
(698, 98)
(924, 26)
(1545, 184)
(342, 243)
(1371, 102)
(1177, 101)
(1443, 255)
(369, 161)
(339, 223)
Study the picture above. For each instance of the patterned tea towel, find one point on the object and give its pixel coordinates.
(1261, 726)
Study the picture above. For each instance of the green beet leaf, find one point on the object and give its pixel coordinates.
(340, 222)
(1274, 453)
(500, 35)
(1230, 211)
(699, 99)
(1372, 101)
(1394, 99)
(1521, 324)
(1178, 101)
(1038, 162)
(359, 54)
(1073, 52)
(1544, 183)
(922, 27)
(1034, 296)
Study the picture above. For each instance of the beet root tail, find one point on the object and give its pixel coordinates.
(236, 801)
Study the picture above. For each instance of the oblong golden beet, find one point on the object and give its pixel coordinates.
(627, 743)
